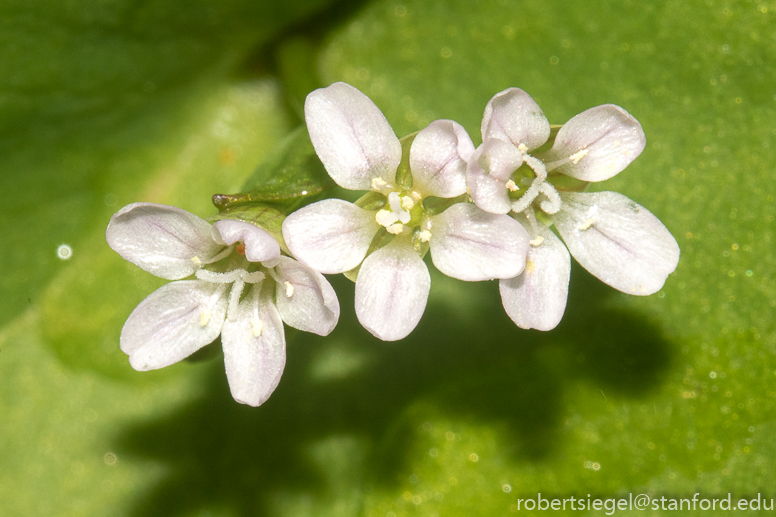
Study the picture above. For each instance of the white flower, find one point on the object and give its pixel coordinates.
(361, 152)
(617, 240)
(183, 316)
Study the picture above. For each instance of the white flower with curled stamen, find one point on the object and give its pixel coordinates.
(361, 152)
(244, 291)
(614, 238)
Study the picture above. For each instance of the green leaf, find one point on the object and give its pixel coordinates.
(94, 95)
(85, 305)
(290, 174)
(695, 75)
(670, 394)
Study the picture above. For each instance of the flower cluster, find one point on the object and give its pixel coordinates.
(181, 317)
(482, 213)
(361, 152)
(614, 238)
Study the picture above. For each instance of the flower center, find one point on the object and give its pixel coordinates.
(231, 270)
(404, 211)
(538, 185)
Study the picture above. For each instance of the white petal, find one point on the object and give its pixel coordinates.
(536, 299)
(330, 236)
(469, 244)
(351, 136)
(513, 116)
(164, 240)
(254, 349)
(499, 159)
(438, 159)
(391, 290)
(259, 245)
(617, 240)
(305, 299)
(173, 322)
(597, 144)
(488, 191)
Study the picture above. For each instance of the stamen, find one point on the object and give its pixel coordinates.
(407, 203)
(196, 260)
(204, 318)
(536, 239)
(289, 289)
(256, 324)
(531, 216)
(522, 148)
(234, 298)
(225, 252)
(587, 224)
(378, 184)
(512, 186)
(207, 311)
(424, 235)
(256, 327)
(240, 249)
(395, 229)
(578, 156)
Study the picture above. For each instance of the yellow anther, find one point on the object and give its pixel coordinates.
(578, 156)
(256, 327)
(289, 289)
(407, 203)
(512, 186)
(204, 318)
(424, 235)
(537, 241)
(378, 184)
(522, 148)
(587, 224)
(196, 260)
(395, 229)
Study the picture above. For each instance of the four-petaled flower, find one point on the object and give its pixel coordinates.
(179, 318)
(361, 152)
(614, 238)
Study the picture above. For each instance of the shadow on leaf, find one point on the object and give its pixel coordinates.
(466, 359)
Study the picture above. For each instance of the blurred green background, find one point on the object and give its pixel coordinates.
(107, 102)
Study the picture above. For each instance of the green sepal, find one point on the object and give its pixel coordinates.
(546, 146)
(564, 183)
(381, 238)
(403, 173)
(290, 174)
(352, 275)
(372, 201)
(261, 215)
(436, 205)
